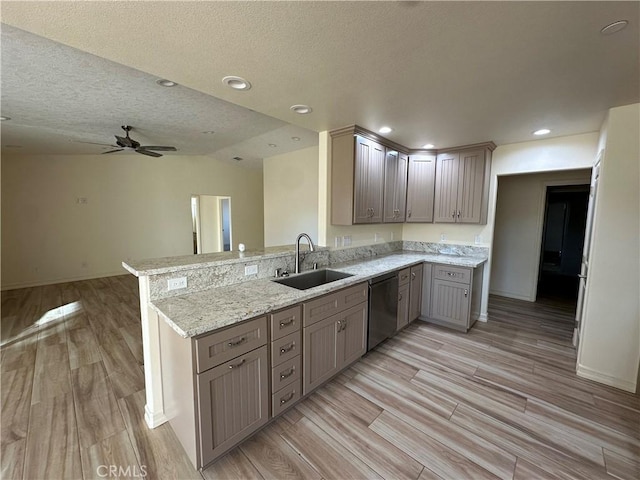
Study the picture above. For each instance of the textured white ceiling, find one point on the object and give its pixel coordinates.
(448, 73)
(58, 96)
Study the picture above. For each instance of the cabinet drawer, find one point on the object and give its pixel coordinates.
(285, 322)
(285, 348)
(403, 276)
(285, 374)
(220, 347)
(452, 274)
(283, 399)
(329, 305)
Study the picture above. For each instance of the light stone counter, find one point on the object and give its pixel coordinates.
(207, 310)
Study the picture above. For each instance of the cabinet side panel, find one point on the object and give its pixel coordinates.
(485, 187)
(476, 294)
(375, 180)
(178, 390)
(415, 296)
(425, 310)
(361, 185)
(342, 165)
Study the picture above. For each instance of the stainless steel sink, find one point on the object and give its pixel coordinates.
(314, 278)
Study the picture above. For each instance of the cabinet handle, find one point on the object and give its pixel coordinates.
(237, 364)
(344, 325)
(451, 274)
(458, 213)
(413, 275)
(399, 298)
(284, 350)
(288, 374)
(454, 214)
(466, 292)
(287, 323)
(339, 325)
(409, 213)
(373, 212)
(237, 342)
(284, 400)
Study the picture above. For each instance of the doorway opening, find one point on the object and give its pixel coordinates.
(563, 235)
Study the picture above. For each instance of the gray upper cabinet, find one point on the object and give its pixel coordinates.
(357, 178)
(368, 189)
(395, 186)
(462, 185)
(420, 188)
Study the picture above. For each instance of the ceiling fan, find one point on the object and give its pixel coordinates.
(128, 143)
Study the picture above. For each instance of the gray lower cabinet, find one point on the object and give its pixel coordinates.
(286, 350)
(403, 306)
(454, 296)
(415, 295)
(232, 402)
(335, 341)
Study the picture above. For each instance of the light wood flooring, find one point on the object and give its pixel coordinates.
(501, 401)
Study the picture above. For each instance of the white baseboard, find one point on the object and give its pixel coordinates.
(40, 283)
(154, 419)
(483, 317)
(516, 296)
(590, 374)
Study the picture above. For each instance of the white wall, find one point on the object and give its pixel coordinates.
(210, 227)
(290, 196)
(137, 207)
(518, 230)
(609, 349)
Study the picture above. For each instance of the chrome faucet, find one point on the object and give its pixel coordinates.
(311, 249)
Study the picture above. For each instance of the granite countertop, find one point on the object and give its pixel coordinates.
(208, 310)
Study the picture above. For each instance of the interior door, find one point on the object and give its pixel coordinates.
(584, 266)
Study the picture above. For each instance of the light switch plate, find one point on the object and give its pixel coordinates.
(177, 283)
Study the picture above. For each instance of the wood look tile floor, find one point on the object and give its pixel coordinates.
(501, 401)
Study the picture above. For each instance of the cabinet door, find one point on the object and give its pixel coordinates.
(420, 188)
(352, 335)
(368, 181)
(446, 189)
(450, 302)
(415, 296)
(320, 354)
(403, 306)
(233, 402)
(395, 186)
(471, 173)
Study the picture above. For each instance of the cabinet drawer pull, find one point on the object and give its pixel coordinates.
(452, 274)
(287, 323)
(409, 213)
(466, 292)
(288, 374)
(287, 349)
(399, 298)
(237, 342)
(237, 364)
(454, 214)
(284, 400)
(458, 213)
(413, 275)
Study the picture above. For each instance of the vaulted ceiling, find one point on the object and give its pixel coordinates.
(447, 73)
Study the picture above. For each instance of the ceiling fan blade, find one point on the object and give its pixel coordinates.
(148, 152)
(113, 151)
(93, 143)
(159, 148)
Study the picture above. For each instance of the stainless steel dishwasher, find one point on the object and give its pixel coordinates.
(383, 308)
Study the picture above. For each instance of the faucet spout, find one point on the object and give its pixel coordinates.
(311, 249)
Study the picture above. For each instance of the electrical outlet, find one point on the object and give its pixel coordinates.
(251, 269)
(346, 240)
(443, 237)
(376, 237)
(478, 239)
(82, 200)
(177, 283)
(337, 241)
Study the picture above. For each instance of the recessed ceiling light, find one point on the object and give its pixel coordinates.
(295, 139)
(237, 83)
(614, 27)
(542, 131)
(3, 118)
(428, 145)
(163, 82)
(386, 130)
(301, 109)
(208, 132)
(237, 159)
(273, 145)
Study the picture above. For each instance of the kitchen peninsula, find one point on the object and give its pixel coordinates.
(233, 318)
